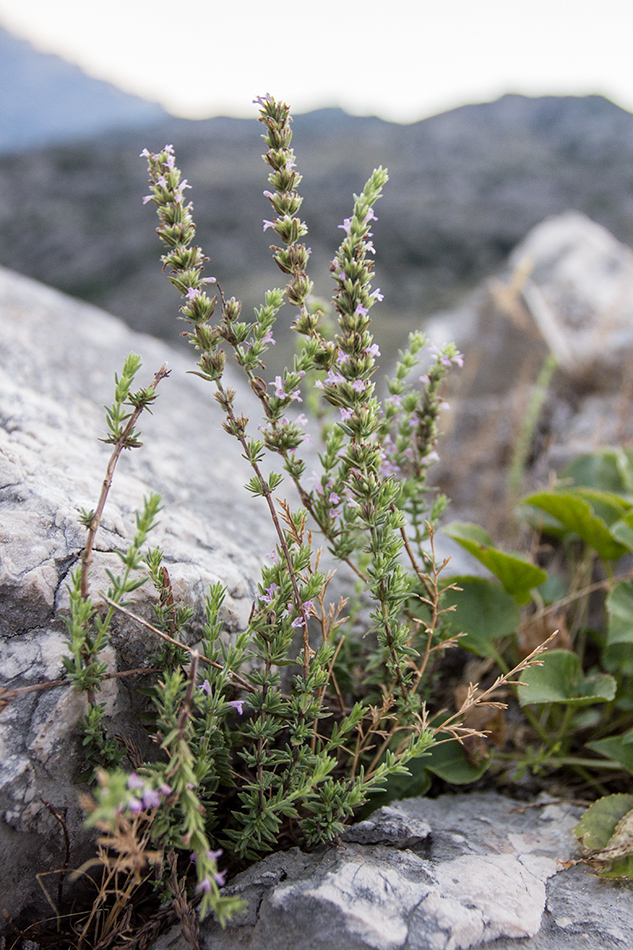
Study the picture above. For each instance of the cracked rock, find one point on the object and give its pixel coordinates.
(57, 363)
(482, 869)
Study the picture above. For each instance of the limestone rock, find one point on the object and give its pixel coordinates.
(478, 869)
(567, 291)
(57, 362)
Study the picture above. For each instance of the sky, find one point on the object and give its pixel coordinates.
(400, 59)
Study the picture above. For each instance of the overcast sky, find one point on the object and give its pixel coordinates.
(400, 59)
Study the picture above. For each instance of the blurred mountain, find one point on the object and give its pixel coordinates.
(44, 99)
(465, 187)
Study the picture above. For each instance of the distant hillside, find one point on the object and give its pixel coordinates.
(464, 188)
(44, 99)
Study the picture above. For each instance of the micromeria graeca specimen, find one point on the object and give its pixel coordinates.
(251, 758)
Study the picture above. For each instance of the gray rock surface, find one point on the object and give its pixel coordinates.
(568, 291)
(421, 874)
(57, 362)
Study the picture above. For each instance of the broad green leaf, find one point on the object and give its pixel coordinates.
(484, 611)
(598, 823)
(560, 680)
(622, 530)
(576, 514)
(615, 748)
(606, 828)
(618, 659)
(401, 786)
(449, 761)
(619, 605)
(517, 575)
(604, 504)
(610, 470)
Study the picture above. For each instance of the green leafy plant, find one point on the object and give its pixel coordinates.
(579, 701)
(270, 736)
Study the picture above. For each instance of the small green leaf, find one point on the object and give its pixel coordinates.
(560, 680)
(484, 611)
(516, 574)
(576, 514)
(619, 605)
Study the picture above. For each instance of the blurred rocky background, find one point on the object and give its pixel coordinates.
(466, 186)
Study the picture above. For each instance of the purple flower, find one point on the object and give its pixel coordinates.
(279, 387)
(431, 457)
(135, 805)
(268, 224)
(458, 360)
(361, 311)
(204, 885)
(377, 295)
(147, 198)
(135, 781)
(214, 855)
(145, 154)
(206, 686)
(342, 357)
(301, 420)
(333, 498)
(237, 704)
(297, 622)
(271, 593)
(374, 350)
(347, 226)
(220, 877)
(346, 413)
(359, 385)
(262, 100)
(268, 338)
(164, 788)
(151, 798)
(333, 378)
(192, 293)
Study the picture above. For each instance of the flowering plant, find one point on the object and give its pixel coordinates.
(283, 732)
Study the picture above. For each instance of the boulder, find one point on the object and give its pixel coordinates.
(57, 361)
(566, 294)
(446, 874)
